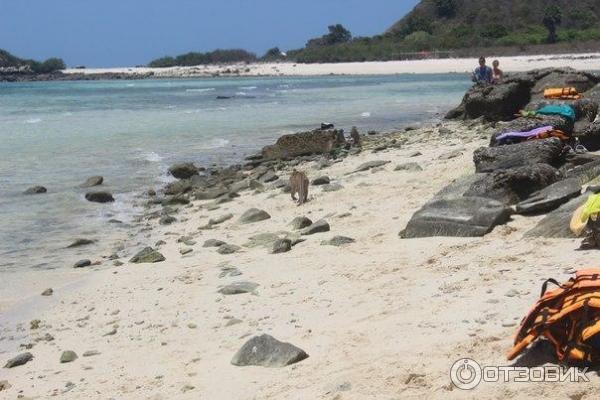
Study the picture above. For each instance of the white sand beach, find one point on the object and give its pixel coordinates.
(588, 61)
(381, 318)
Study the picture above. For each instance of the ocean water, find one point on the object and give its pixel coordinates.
(57, 134)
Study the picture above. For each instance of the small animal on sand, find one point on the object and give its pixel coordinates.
(355, 136)
(299, 185)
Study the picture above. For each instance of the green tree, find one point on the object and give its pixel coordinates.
(552, 18)
(445, 8)
(273, 54)
(337, 34)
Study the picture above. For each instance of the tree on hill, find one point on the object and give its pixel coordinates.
(273, 54)
(337, 34)
(552, 18)
(446, 8)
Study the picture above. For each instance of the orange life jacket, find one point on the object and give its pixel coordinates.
(567, 93)
(568, 317)
(553, 133)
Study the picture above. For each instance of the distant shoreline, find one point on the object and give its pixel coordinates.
(581, 61)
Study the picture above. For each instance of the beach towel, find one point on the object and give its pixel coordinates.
(537, 133)
(567, 93)
(568, 317)
(562, 110)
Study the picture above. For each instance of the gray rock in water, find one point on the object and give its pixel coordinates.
(99, 197)
(513, 185)
(36, 190)
(183, 170)
(19, 360)
(545, 151)
(322, 180)
(228, 249)
(556, 223)
(213, 243)
(238, 288)
(369, 165)
(82, 264)
(92, 181)
(68, 356)
(266, 351)
(81, 242)
(147, 255)
(410, 167)
(551, 197)
(220, 220)
(253, 215)
(300, 223)
(167, 220)
(332, 187)
(337, 241)
(48, 292)
(459, 217)
(281, 246)
(317, 227)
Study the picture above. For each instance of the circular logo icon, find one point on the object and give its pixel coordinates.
(465, 374)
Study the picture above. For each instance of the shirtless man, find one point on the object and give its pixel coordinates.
(497, 74)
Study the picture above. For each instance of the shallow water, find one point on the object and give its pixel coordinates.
(57, 134)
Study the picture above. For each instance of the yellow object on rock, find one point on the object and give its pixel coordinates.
(591, 207)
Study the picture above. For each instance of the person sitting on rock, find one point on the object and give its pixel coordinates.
(497, 74)
(483, 73)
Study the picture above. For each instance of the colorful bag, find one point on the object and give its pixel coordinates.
(569, 317)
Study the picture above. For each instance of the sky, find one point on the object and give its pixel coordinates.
(109, 33)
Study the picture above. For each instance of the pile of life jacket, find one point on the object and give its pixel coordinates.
(567, 93)
(568, 317)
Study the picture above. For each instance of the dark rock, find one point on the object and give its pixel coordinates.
(238, 288)
(229, 271)
(300, 223)
(19, 360)
(266, 351)
(584, 173)
(213, 243)
(175, 200)
(167, 220)
(183, 170)
(269, 176)
(510, 186)
(220, 220)
(459, 217)
(317, 227)
(48, 292)
(337, 241)
(99, 197)
(450, 154)
(546, 151)
(68, 356)
(147, 255)
(551, 197)
(81, 242)
(82, 264)
(36, 190)
(410, 167)
(589, 137)
(281, 246)
(178, 187)
(304, 143)
(210, 194)
(91, 353)
(228, 249)
(322, 180)
(557, 223)
(92, 181)
(254, 215)
(369, 165)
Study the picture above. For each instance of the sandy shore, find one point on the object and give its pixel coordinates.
(452, 65)
(380, 318)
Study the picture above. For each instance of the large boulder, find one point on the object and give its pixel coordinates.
(556, 224)
(99, 197)
(183, 170)
(510, 186)
(253, 215)
(565, 77)
(550, 197)
(589, 136)
(266, 351)
(304, 143)
(459, 217)
(546, 151)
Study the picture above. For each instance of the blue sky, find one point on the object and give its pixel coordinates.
(127, 32)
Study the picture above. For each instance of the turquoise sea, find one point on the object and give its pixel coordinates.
(56, 134)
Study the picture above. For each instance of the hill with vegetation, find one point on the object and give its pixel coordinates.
(8, 60)
(448, 25)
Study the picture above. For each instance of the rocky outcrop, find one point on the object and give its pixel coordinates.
(546, 151)
(304, 143)
(550, 197)
(183, 170)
